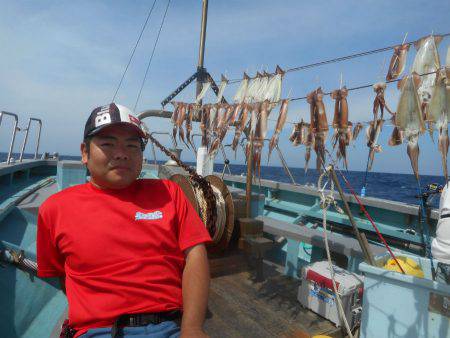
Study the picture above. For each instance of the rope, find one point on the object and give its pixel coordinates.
(339, 59)
(18, 259)
(220, 208)
(151, 57)
(134, 50)
(201, 202)
(326, 201)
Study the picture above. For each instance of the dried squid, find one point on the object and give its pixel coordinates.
(375, 126)
(439, 116)
(341, 135)
(398, 61)
(409, 117)
(319, 125)
(426, 61)
(358, 127)
(278, 127)
(259, 135)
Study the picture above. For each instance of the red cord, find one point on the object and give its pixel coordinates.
(373, 223)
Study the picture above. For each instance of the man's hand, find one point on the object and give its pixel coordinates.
(195, 288)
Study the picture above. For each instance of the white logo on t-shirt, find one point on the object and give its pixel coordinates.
(148, 216)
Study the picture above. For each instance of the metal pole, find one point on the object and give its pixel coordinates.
(25, 141)
(285, 166)
(201, 51)
(38, 137)
(16, 119)
(364, 245)
(248, 187)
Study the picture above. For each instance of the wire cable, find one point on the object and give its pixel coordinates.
(134, 50)
(342, 58)
(151, 57)
(361, 87)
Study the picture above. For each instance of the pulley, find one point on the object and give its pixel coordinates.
(222, 231)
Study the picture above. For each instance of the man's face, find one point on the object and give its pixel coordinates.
(114, 157)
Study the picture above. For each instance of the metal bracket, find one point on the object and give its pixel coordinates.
(201, 75)
(13, 137)
(179, 89)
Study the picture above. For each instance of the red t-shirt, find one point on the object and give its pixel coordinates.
(120, 250)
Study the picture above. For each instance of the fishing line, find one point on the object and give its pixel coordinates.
(424, 230)
(366, 213)
(363, 189)
(339, 59)
(134, 49)
(151, 57)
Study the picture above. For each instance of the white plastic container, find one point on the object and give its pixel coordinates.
(316, 292)
(205, 163)
(397, 305)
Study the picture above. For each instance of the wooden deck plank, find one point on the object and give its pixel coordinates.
(241, 307)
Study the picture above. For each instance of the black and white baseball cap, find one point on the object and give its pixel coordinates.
(111, 114)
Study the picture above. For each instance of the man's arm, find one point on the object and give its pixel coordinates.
(195, 287)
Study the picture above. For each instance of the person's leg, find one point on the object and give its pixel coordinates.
(443, 273)
(168, 329)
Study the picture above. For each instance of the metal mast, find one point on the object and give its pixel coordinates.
(201, 71)
(201, 75)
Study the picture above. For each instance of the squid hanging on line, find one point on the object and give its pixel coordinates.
(375, 126)
(189, 118)
(241, 122)
(439, 115)
(398, 61)
(427, 61)
(302, 134)
(409, 117)
(259, 135)
(319, 125)
(342, 135)
(204, 124)
(356, 130)
(180, 120)
(174, 119)
(282, 116)
(226, 119)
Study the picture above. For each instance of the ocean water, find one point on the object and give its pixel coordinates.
(391, 186)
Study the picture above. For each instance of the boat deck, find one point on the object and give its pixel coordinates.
(241, 307)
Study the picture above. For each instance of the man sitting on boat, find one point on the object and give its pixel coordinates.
(440, 247)
(130, 252)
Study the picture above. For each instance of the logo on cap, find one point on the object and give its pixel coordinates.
(103, 116)
(134, 119)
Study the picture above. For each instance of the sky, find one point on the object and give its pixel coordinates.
(61, 59)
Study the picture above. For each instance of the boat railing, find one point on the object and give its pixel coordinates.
(13, 136)
(39, 122)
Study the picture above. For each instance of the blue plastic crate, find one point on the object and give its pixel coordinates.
(397, 305)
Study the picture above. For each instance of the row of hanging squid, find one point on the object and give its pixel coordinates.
(424, 99)
(253, 102)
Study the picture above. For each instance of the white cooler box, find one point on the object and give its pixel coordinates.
(316, 292)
